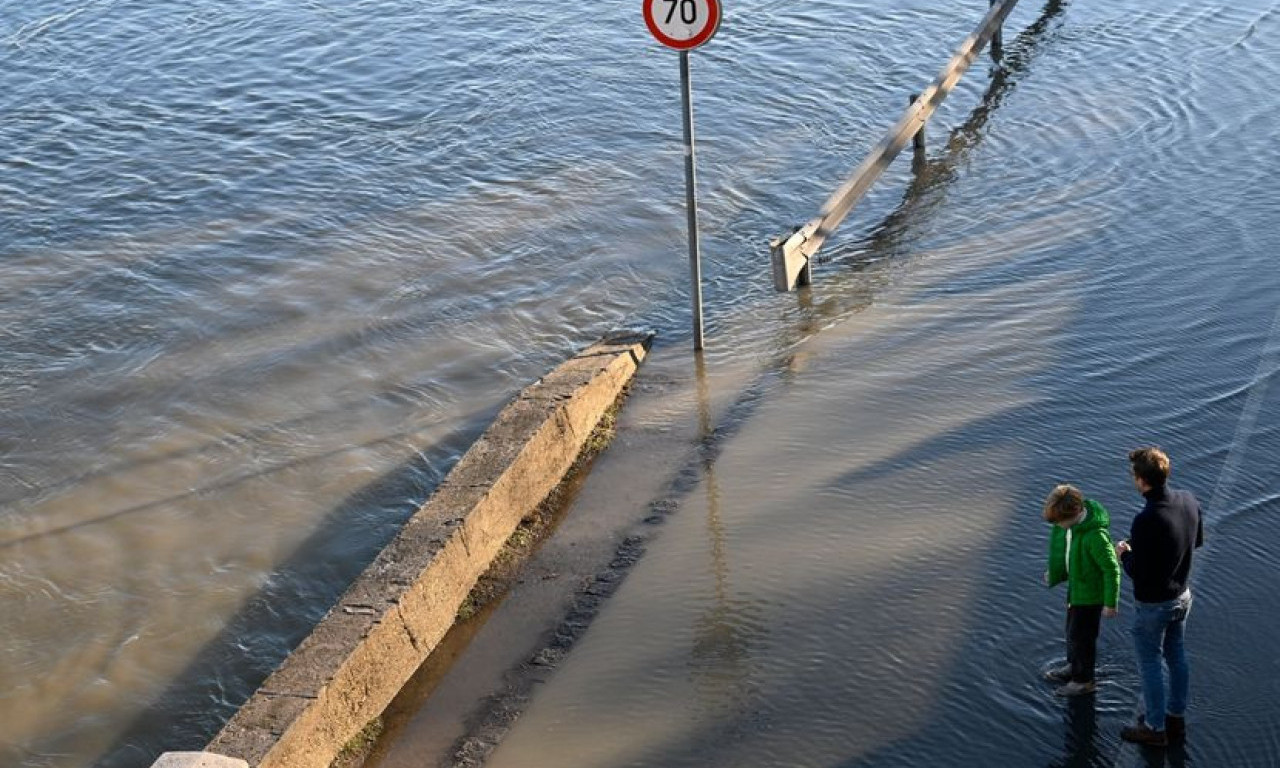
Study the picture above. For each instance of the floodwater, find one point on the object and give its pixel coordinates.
(266, 268)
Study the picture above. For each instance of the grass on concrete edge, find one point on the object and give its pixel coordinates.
(357, 750)
(538, 525)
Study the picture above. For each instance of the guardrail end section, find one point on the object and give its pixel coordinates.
(789, 262)
(197, 760)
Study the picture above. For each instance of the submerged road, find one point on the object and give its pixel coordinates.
(269, 268)
(851, 575)
(852, 579)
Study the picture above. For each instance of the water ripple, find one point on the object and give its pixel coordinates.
(266, 266)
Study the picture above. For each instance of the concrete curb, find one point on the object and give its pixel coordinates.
(346, 672)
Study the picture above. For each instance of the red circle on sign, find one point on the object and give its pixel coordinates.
(713, 6)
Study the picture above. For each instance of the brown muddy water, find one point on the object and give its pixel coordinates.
(266, 268)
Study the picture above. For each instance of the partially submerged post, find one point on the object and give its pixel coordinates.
(997, 41)
(791, 254)
(684, 26)
(691, 199)
(917, 140)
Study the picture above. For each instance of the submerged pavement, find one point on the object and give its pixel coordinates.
(839, 542)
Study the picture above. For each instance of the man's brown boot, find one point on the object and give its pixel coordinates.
(1143, 734)
(1175, 728)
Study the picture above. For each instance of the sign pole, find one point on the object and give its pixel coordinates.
(691, 200)
(684, 25)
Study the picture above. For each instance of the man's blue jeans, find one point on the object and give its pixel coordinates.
(1158, 638)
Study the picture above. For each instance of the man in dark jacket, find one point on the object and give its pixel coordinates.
(1157, 556)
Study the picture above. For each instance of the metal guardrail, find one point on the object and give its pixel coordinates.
(792, 253)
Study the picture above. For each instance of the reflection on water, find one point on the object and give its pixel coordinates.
(725, 634)
(1081, 724)
(879, 506)
(267, 268)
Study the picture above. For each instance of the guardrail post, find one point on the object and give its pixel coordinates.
(997, 40)
(917, 140)
(918, 156)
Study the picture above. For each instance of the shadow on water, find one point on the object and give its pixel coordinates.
(1083, 742)
(225, 672)
(202, 490)
(952, 726)
(726, 633)
(963, 724)
(841, 294)
(229, 378)
(699, 745)
(724, 637)
(933, 175)
(223, 675)
(953, 717)
(1080, 749)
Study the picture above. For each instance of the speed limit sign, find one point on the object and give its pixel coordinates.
(685, 25)
(682, 24)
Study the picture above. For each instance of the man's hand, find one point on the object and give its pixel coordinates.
(1109, 613)
(1122, 547)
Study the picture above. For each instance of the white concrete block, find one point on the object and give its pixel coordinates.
(197, 760)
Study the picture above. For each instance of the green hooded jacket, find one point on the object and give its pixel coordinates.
(1094, 575)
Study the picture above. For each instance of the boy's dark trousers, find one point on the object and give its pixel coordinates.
(1082, 640)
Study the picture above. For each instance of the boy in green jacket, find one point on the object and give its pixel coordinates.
(1081, 554)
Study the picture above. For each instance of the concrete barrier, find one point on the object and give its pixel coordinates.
(363, 651)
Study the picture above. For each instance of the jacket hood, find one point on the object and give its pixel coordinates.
(1097, 517)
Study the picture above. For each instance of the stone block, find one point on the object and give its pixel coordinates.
(197, 760)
